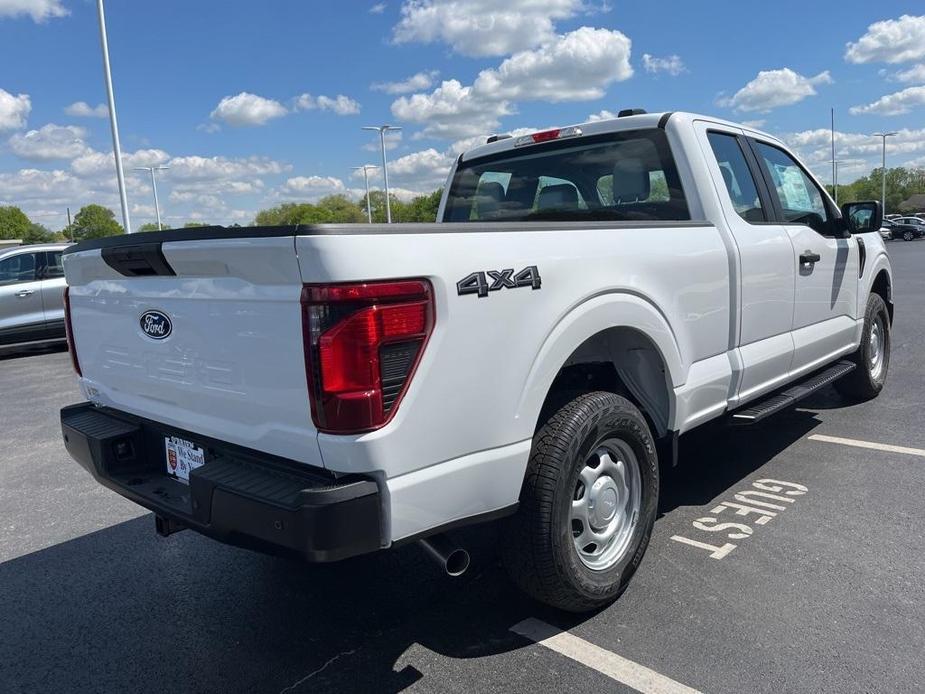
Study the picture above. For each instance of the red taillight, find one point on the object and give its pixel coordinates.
(69, 330)
(362, 344)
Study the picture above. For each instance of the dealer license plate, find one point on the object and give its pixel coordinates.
(182, 456)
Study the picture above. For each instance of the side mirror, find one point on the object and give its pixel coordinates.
(862, 217)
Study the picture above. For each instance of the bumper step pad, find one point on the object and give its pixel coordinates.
(239, 496)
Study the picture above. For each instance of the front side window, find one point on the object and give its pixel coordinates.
(740, 184)
(621, 176)
(801, 201)
(17, 268)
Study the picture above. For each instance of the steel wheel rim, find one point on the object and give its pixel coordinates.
(606, 504)
(877, 352)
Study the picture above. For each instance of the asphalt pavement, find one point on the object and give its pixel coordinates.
(823, 592)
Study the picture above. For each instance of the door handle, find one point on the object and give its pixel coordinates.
(809, 258)
(22, 293)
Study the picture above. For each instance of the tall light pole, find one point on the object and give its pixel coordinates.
(113, 123)
(883, 169)
(157, 207)
(835, 163)
(366, 168)
(382, 130)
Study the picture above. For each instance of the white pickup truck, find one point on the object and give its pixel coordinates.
(589, 294)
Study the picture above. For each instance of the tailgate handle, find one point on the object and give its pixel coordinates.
(138, 260)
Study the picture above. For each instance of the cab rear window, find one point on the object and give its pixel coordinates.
(623, 176)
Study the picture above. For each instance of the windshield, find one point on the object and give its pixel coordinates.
(620, 176)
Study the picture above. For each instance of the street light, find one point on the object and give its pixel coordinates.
(883, 169)
(113, 123)
(382, 130)
(152, 169)
(366, 168)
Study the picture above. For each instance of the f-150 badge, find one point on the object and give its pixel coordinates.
(495, 280)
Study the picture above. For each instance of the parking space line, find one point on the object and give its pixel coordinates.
(614, 666)
(868, 444)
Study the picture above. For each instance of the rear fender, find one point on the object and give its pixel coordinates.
(618, 310)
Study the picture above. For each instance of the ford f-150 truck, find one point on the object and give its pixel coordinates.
(588, 294)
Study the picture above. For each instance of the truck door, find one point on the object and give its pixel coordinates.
(53, 283)
(826, 299)
(764, 270)
(21, 316)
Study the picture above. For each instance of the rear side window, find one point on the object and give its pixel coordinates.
(18, 268)
(740, 184)
(622, 176)
(54, 268)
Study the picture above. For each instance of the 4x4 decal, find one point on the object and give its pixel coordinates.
(478, 282)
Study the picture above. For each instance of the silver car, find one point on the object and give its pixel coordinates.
(31, 294)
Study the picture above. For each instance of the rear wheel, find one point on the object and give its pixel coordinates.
(587, 505)
(908, 235)
(872, 357)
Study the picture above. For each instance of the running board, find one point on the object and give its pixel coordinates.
(775, 403)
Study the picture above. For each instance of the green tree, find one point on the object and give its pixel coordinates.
(37, 233)
(340, 209)
(149, 226)
(14, 224)
(194, 225)
(94, 222)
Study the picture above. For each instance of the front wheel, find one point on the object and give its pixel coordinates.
(908, 236)
(872, 357)
(587, 505)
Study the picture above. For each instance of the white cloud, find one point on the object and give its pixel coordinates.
(573, 67)
(757, 123)
(417, 81)
(50, 187)
(312, 187)
(378, 8)
(197, 168)
(483, 27)
(671, 64)
(916, 73)
(340, 104)
(81, 109)
(14, 110)
(425, 170)
(451, 111)
(862, 151)
(95, 164)
(50, 142)
(39, 10)
(894, 104)
(890, 41)
(247, 109)
(602, 115)
(774, 88)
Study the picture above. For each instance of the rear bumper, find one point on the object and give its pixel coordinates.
(238, 496)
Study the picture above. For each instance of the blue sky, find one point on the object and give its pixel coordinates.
(254, 105)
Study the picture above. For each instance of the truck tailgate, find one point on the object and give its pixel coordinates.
(232, 364)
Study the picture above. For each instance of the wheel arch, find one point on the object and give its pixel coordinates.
(883, 285)
(620, 343)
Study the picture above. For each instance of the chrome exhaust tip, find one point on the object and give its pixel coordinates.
(450, 556)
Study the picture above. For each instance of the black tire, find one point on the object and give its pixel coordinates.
(538, 548)
(864, 383)
(908, 236)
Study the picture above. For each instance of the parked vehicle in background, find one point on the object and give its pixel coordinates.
(907, 228)
(31, 294)
(590, 294)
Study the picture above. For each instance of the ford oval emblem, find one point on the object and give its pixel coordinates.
(156, 325)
